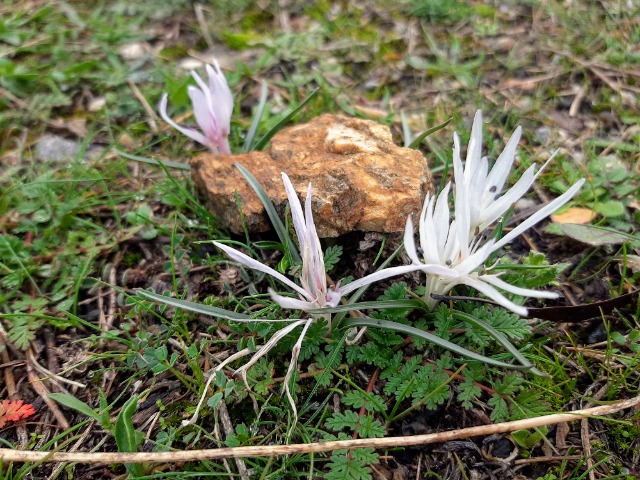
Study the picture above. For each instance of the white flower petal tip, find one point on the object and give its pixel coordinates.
(212, 108)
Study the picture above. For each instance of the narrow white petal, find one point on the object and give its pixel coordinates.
(313, 258)
(544, 212)
(452, 245)
(502, 167)
(429, 236)
(475, 192)
(205, 118)
(463, 221)
(409, 242)
(220, 89)
(295, 353)
(524, 292)
(474, 150)
(440, 270)
(441, 210)
(494, 295)
(423, 215)
(458, 169)
(292, 303)
(203, 86)
(498, 208)
(475, 260)
(208, 96)
(379, 275)
(273, 341)
(441, 219)
(240, 257)
(296, 211)
(192, 134)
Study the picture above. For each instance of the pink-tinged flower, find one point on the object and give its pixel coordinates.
(313, 292)
(212, 108)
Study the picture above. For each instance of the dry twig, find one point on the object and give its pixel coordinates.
(10, 455)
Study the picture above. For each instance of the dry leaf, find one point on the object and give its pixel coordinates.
(77, 126)
(11, 411)
(575, 215)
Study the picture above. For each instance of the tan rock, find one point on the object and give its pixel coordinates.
(361, 179)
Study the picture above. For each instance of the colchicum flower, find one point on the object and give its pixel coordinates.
(212, 108)
(457, 244)
(314, 292)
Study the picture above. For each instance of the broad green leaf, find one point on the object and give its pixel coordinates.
(127, 438)
(610, 208)
(72, 402)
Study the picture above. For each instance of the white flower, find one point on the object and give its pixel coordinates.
(479, 189)
(457, 244)
(212, 108)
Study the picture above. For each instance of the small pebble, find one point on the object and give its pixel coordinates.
(53, 148)
(543, 134)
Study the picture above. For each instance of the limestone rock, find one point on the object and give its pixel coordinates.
(361, 180)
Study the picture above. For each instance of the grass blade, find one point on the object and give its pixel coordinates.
(500, 338)
(270, 208)
(418, 140)
(248, 144)
(376, 305)
(70, 401)
(205, 309)
(153, 161)
(398, 327)
(264, 140)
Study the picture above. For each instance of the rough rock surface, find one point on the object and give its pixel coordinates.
(361, 179)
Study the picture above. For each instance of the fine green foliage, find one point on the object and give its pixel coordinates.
(353, 466)
(332, 257)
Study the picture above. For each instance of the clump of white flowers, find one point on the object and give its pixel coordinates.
(454, 246)
(459, 244)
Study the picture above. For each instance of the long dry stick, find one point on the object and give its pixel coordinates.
(9, 455)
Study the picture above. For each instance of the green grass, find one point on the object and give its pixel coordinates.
(77, 236)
